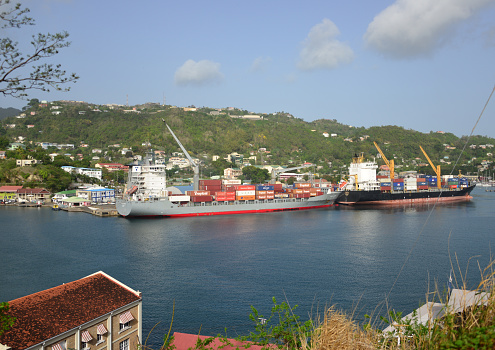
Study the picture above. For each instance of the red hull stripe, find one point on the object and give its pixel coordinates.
(238, 212)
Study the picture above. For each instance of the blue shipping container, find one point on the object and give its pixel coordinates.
(265, 188)
(385, 184)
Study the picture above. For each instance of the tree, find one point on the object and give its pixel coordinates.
(14, 80)
(6, 321)
(256, 175)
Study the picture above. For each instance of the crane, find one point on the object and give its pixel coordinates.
(390, 163)
(281, 171)
(435, 169)
(193, 164)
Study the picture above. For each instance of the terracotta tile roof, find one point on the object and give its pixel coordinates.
(9, 188)
(45, 314)
(184, 341)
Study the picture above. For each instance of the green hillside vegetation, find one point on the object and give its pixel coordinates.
(288, 140)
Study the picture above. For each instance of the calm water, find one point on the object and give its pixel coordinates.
(216, 267)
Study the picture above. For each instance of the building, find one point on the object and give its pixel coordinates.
(232, 173)
(9, 192)
(97, 195)
(111, 166)
(59, 196)
(26, 162)
(95, 312)
(33, 195)
(94, 173)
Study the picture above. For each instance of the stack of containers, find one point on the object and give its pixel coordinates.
(245, 192)
(385, 186)
(463, 182)
(398, 184)
(453, 183)
(421, 183)
(225, 196)
(213, 186)
(432, 181)
(265, 192)
(410, 184)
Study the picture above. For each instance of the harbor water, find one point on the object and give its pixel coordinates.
(364, 260)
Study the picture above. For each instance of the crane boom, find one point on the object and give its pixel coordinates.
(435, 169)
(193, 164)
(390, 163)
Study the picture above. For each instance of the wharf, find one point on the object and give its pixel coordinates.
(100, 210)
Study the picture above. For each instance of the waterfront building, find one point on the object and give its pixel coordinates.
(9, 192)
(97, 195)
(33, 195)
(95, 312)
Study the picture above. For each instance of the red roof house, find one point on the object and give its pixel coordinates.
(96, 310)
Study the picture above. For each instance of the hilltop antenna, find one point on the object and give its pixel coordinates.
(164, 99)
(127, 100)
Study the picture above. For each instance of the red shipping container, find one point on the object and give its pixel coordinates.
(270, 196)
(263, 196)
(198, 193)
(301, 195)
(229, 189)
(303, 185)
(261, 192)
(398, 180)
(245, 187)
(422, 187)
(201, 198)
(210, 182)
(386, 188)
(277, 187)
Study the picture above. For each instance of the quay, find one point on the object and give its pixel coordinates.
(100, 210)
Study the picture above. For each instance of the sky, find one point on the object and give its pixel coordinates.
(425, 65)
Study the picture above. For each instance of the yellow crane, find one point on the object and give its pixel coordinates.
(390, 163)
(435, 169)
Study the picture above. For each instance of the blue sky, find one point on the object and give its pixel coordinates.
(426, 65)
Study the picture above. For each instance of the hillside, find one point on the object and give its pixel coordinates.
(8, 112)
(287, 139)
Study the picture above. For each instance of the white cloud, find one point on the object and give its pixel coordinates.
(410, 28)
(321, 50)
(198, 73)
(260, 64)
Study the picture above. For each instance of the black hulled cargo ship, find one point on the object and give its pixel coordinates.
(364, 188)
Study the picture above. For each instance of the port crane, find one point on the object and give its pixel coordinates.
(435, 169)
(193, 164)
(281, 171)
(390, 163)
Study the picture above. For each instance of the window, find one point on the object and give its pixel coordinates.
(99, 338)
(84, 345)
(125, 325)
(124, 345)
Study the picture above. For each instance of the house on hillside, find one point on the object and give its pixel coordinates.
(94, 312)
(97, 195)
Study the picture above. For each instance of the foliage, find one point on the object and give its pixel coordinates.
(6, 320)
(256, 175)
(282, 327)
(13, 81)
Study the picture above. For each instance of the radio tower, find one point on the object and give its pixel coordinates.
(164, 99)
(127, 100)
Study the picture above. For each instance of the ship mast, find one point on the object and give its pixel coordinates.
(193, 164)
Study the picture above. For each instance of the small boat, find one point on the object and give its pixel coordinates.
(55, 207)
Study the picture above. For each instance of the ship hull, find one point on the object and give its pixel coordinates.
(378, 197)
(164, 208)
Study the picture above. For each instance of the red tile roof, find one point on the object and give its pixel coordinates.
(9, 188)
(184, 341)
(45, 314)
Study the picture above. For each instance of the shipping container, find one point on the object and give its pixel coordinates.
(245, 193)
(264, 187)
(302, 185)
(385, 184)
(277, 187)
(245, 187)
(201, 199)
(263, 196)
(230, 182)
(422, 187)
(179, 198)
(301, 195)
(281, 195)
(245, 198)
(385, 188)
(260, 192)
(422, 183)
(210, 182)
(398, 180)
(452, 186)
(198, 193)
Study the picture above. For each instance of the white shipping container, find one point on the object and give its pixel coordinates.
(410, 187)
(245, 193)
(183, 198)
(231, 182)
